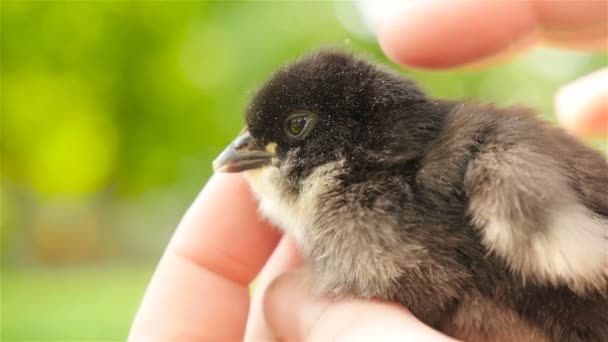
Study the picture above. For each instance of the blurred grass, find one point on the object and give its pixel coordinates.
(92, 303)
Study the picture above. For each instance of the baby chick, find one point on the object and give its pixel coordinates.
(487, 223)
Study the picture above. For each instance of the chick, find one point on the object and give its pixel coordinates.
(487, 223)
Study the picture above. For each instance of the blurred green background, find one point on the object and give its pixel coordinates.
(112, 112)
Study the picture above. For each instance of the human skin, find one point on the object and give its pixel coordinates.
(474, 33)
(200, 290)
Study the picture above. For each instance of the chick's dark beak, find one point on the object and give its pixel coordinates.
(240, 155)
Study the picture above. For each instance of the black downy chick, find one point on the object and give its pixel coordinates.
(487, 223)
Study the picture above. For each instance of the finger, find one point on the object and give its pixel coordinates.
(293, 314)
(575, 24)
(452, 33)
(199, 290)
(284, 258)
(456, 33)
(582, 106)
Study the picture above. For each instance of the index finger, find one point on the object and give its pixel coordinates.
(431, 34)
(200, 288)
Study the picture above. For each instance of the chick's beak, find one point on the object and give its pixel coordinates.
(240, 155)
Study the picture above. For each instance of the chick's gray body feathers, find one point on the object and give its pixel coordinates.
(487, 223)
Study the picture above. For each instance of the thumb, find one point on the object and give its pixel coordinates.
(295, 315)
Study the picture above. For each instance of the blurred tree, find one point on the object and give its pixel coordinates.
(105, 103)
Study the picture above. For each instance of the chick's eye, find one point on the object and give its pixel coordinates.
(297, 125)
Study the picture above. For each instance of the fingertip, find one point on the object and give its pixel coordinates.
(224, 186)
(434, 36)
(582, 106)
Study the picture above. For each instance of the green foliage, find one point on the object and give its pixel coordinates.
(77, 304)
(112, 112)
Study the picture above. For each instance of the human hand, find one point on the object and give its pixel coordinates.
(433, 35)
(200, 289)
(200, 292)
